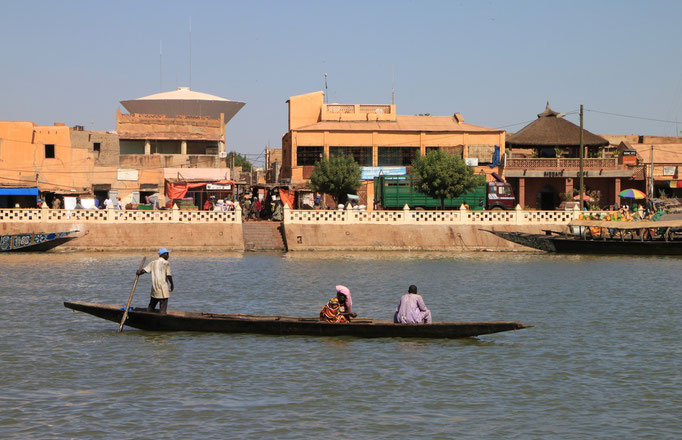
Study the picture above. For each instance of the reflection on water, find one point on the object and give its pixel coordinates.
(602, 360)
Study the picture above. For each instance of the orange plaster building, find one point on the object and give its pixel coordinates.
(35, 156)
(377, 137)
(164, 133)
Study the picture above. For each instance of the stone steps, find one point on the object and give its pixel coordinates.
(263, 236)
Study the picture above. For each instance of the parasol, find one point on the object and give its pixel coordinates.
(632, 194)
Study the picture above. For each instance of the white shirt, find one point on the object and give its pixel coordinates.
(107, 203)
(159, 269)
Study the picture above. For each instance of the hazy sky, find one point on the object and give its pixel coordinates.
(495, 62)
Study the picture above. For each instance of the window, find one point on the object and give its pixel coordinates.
(456, 150)
(49, 151)
(308, 155)
(96, 146)
(362, 155)
(397, 156)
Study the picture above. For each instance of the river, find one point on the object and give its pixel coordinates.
(603, 360)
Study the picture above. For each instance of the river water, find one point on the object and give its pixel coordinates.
(603, 360)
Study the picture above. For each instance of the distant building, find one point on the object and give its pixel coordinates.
(377, 137)
(163, 135)
(543, 164)
(170, 130)
(273, 164)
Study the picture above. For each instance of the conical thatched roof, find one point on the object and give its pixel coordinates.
(552, 130)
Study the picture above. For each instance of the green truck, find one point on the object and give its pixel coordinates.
(394, 192)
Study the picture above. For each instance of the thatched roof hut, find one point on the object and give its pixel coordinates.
(552, 130)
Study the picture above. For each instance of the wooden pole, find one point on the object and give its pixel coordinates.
(651, 175)
(130, 298)
(582, 157)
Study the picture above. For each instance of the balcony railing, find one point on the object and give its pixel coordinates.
(563, 163)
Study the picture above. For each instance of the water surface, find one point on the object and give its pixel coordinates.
(602, 362)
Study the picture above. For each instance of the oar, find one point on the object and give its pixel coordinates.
(130, 298)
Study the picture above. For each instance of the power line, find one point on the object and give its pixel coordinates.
(633, 117)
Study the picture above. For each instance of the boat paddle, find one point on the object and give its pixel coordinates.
(130, 298)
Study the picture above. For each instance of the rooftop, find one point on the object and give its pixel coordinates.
(184, 102)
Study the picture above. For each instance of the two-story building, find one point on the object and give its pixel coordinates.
(542, 163)
(377, 138)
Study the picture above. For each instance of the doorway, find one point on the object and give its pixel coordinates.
(547, 198)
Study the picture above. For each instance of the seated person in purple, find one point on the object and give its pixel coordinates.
(411, 309)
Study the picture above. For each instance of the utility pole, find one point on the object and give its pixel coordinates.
(232, 166)
(650, 193)
(582, 158)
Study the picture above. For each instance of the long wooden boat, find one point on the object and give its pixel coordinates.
(35, 242)
(286, 325)
(605, 237)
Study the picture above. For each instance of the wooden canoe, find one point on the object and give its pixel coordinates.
(35, 242)
(287, 325)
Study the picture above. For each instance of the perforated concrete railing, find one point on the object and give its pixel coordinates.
(419, 217)
(119, 216)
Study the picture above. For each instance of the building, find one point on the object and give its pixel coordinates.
(378, 139)
(171, 130)
(161, 135)
(40, 159)
(542, 164)
(665, 153)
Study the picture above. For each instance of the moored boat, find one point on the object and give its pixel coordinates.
(605, 237)
(287, 325)
(35, 242)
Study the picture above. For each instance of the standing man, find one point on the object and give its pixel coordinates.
(162, 281)
(411, 309)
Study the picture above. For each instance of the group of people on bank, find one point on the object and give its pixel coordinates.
(339, 309)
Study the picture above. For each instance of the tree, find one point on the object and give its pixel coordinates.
(443, 176)
(239, 161)
(337, 176)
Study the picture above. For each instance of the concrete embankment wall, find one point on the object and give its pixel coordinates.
(305, 237)
(144, 236)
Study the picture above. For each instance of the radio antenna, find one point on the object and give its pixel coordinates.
(160, 66)
(326, 91)
(190, 52)
(393, 89)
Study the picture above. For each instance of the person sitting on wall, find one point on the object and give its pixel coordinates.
(411, 309)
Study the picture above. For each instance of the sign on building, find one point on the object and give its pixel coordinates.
(669, 170)
(369, 173)
(216, 187)
(124, 174)
(471, 161)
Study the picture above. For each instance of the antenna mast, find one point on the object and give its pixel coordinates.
(326, 92)
(190, 52)
(393, 89)
(160, 66)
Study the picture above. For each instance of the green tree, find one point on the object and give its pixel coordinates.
(337, 176)
(239, 161)
(443, 176)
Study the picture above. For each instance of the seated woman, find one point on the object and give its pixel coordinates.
(339, 309)
(331, 312)
(345, 301)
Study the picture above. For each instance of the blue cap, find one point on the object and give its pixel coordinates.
(163, 251)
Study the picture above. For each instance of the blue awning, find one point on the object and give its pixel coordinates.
(19, 192)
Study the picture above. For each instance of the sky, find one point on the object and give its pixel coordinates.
(496, 63)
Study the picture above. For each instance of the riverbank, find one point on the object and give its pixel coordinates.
(298, 237)
(301, 230)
